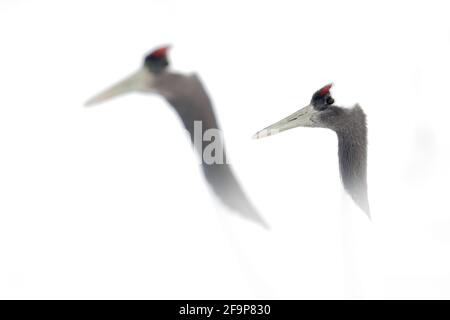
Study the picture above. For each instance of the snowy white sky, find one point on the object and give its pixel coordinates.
(109, 202)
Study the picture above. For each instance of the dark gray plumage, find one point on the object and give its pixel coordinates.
(352, 152)
(189, 99)
(350, 127)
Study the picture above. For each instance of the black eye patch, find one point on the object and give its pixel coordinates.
(330, 100)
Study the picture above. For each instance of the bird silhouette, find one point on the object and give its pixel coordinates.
(187, 95)
(351, 129)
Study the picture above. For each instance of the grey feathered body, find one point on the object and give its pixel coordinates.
(352, 146)
(190, 100)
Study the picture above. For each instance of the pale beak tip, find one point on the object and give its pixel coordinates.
(89, 103)
(93, 101)
(262, 134)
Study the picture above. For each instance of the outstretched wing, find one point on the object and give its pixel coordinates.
(189, 98)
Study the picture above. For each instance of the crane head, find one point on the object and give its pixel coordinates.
(157, 60)
(322, 98)
(141, 80)
(313, 115)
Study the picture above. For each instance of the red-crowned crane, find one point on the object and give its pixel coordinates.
(186, 94)
(350, 127)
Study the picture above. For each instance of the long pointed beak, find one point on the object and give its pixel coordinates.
(301, 118)
(141, 80)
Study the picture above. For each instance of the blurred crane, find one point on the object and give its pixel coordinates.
(188, 97)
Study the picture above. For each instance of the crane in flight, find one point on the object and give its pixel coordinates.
(187, 95)
(351, 129)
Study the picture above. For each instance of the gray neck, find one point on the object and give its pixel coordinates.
(352, 151)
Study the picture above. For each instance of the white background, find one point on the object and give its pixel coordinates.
(109, 202)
